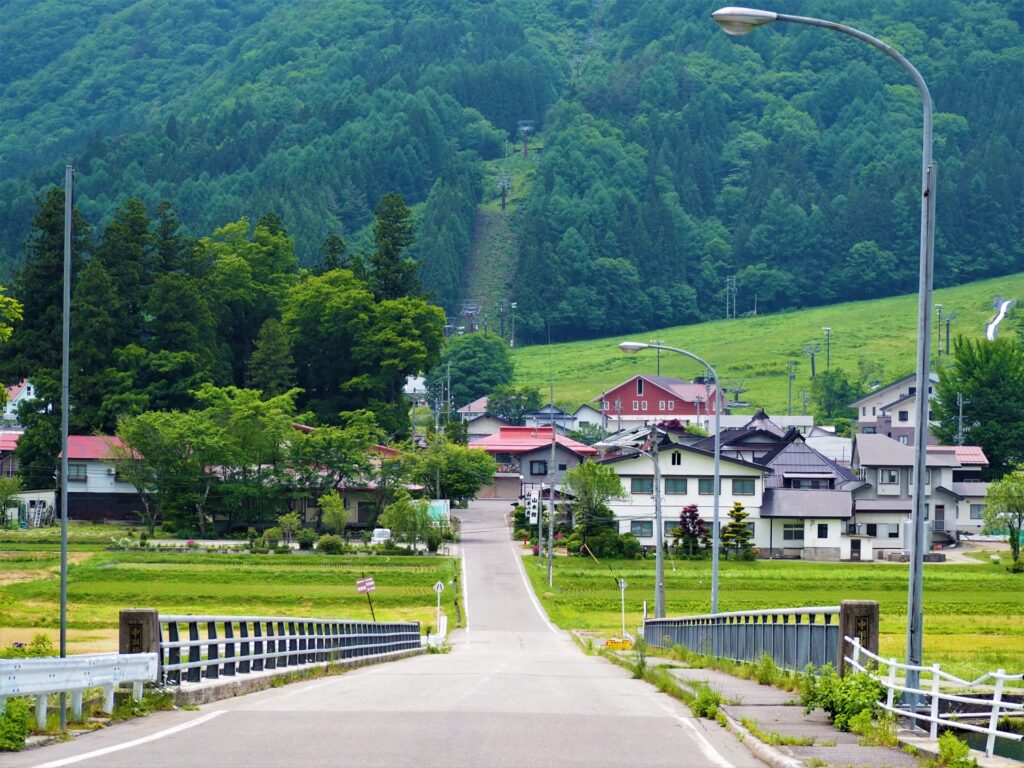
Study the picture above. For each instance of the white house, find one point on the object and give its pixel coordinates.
(95, 489)
(16, 395)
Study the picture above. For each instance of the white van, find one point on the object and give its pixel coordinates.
(380, 535)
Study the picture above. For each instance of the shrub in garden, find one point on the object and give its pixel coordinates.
(272, 535)
(330, 544)
(306, 538)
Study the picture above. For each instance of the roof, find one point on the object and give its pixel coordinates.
(526, 439)
(684, 390)
(793, 502)
(882, 451)
(967, 455)
(666, 447)
(762, 422)
(932, 377)
(94, 447)
(970, 489)
(9, 440)
(16, 389)
(883, 505)
(477, 406)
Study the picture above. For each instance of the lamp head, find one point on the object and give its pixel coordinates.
(632, 347)
(740, 21)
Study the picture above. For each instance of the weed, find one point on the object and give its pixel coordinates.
(190, 708)
(878, 733)
(774, 737)
(152, 701)
(765, 670)
(707, 702)
(815, 762)
(14, 725)
(640, 659)
(953, 753)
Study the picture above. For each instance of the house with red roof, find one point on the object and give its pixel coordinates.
(651, 399)
(524, 459)
(95, 489)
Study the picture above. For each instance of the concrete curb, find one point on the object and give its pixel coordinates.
(766, 753)
(196, 694)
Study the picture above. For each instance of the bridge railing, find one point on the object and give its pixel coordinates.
(791, 637)
(930, 690)
(194, 648)
(39, 677)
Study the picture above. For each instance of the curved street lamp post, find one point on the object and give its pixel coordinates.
(631, 348)
(739, 21)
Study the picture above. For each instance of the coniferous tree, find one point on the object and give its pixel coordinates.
(391, 275)
(271, 367)
(736, 534)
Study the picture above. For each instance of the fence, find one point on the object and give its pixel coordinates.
(791, 637)
(40, 677)
(216, 646)
(995, 706)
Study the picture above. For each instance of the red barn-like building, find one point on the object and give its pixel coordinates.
(649, 399)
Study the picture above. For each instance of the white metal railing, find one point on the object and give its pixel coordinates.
(40, 677)
(995, 706)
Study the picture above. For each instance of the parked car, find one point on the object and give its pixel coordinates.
(380, 535)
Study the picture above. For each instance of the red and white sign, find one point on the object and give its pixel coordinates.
(364, 585)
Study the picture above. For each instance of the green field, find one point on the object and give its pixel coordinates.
(101, 583)
(974, 614)
(753, 352)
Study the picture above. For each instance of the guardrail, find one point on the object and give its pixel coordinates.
(197, 647)
(39, 677)
(791, 637)
(995, 706)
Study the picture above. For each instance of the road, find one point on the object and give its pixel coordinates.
(514, 691)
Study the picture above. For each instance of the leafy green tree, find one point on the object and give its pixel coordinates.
(391, 274)
(592, 486)
(831, 390)
(513, 403)
(10, 487)
(451, 471)
(690, 530)
(407, 518)
(990, 376)
(289, 523)
(333, 255)
(588, 433)
(736, 533)
(39, 444)
(480, 363)
(1004, 512)
(335, 517)
(271, 367)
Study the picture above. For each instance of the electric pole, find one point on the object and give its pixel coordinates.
(938, 312)
(659, 343)
(960, 418)
(828, 347)
(526, 128)
(811, 350)
(791, 375)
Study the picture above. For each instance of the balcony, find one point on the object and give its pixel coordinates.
(509, 468)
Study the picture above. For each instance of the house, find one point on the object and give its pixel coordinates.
(474, 409)
(586, 414)
(96, 491)
(8, 462)
(687, 477)
(883, 503)
(650, 399)
(524, 459)
(804, 423)
(550, 414)
(15, 396)
(890, 410)
(825, 441)
(483, 426)
(750, 441)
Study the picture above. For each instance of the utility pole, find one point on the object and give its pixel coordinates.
(540, 522)
(554, 469)
(512, 342)
(948, 318)
(811, 350)
(828, 347)
(69, 180)
(804, 397)
(960, 418)
(659, 343)
(791, 375)
(526, 128)
(938, 313)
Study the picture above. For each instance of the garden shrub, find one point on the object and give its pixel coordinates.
(306, 537)
(954, 753)
(40, 645)
(273, 535)
(14, 725)
(330, 544)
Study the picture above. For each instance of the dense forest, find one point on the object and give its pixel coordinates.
(673, 156)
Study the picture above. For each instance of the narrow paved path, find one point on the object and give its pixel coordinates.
(513, 692)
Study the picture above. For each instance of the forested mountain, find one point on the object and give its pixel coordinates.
(674, 156)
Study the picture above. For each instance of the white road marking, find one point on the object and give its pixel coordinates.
(712, 754)
(134, 743)
(529, 587)
(465, 590)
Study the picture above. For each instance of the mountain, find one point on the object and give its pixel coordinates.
(673, 156)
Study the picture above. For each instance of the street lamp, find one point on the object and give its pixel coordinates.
(631, 348)
(739, 21)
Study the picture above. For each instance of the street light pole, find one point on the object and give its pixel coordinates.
(631, 348)
(739, 21)
(828, 347)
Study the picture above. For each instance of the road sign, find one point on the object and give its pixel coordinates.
(615, 644)
(365, 586)
(439, 587)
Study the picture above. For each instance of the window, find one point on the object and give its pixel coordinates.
(538, 467)
(605, 405)
(677, 459)
(913, 390)
(894, 531)
(636, 406)
(977, 511)
(641, 485)
(792, 531)
(888, 476)
(706, 486)
(869, 430)
(675, 486)
(671, 405)
(904, 415)
(670, 525)
(863, 410)
(642, 528)
(562, 467)
(643, 405)
(76, 472)
(822, 530)
(661, 405)
(871, 529)
(931, 416)
(904, 439)
(873, 411)
(743, 486)
(639, 387)
(366, 511)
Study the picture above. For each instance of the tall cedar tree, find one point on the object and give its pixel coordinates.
(271, 368)
(391, 275)
(126, 252)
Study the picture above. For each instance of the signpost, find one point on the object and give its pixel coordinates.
(439, 588)
(365, 586)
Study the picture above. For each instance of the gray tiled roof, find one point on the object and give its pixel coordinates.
(791, 502)
(882, 451)
(970, 489)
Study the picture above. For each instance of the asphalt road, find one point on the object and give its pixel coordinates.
(514, 691)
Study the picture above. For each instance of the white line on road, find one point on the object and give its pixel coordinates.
(129, 744)
(465, 590)
(529, 587)
(712, 754)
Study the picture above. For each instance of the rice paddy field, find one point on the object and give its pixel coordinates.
(974, 614)
(102, 582)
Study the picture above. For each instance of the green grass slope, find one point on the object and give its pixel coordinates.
(753, 352)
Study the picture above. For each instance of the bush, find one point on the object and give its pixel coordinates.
(330, 544)
(283, 550)
(629, 546)
(765, 670)
(433, 538)
(306, 537)
(522, 533)
(273, 535)
(706, 703)
(954, 753)
(40, 645)
(843, 698)
(14, 725)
